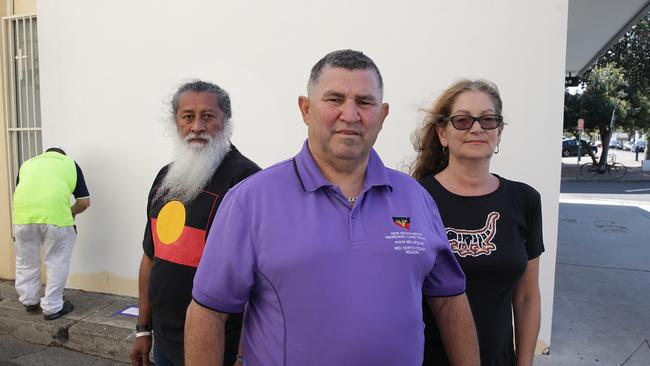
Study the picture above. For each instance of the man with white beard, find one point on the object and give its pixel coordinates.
(182, 204)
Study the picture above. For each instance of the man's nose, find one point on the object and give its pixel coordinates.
(350, 111)
(198, 125)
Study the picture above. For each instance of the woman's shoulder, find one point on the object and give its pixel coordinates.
(520, 189)
(429, 181)
(433, 186)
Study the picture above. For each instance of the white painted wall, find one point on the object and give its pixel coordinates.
(106, 68)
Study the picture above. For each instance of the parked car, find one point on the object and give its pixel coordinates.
(570, 148)
(635, 146)
(628, 145)
(615, 144)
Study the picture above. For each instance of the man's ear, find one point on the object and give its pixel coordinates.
(305, 108)
(384, 112)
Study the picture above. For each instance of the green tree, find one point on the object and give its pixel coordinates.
(632, 54)
(604, 94)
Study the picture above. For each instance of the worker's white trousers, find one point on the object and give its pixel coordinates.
(57, 246)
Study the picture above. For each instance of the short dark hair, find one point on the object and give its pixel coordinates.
(200, 86)
(347, 59)
(56, 149)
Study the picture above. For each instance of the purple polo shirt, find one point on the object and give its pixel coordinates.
(326, 283)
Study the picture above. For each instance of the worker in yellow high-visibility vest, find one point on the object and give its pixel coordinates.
(42, 215)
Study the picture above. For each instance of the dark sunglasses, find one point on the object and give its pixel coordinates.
(486, 121)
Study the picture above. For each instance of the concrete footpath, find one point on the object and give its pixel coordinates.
(14, 352)
(571, 168)
(570, 172)
(601, 309)
(94, 327)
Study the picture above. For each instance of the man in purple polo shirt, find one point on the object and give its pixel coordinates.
(331, 250)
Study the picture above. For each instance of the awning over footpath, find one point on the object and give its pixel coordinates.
(594, 26)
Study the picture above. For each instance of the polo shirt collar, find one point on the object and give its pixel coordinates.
(312, 178)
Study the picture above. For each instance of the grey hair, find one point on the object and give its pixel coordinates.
(200, 86)
(347, 59)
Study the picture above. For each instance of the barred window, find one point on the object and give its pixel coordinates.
(21, 91)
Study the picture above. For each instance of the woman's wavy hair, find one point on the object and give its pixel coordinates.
(430, 157)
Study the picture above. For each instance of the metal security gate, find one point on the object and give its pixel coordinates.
(21, 91)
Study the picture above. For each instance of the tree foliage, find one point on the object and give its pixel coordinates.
(605, 93)
(632, 54)
(620, 79)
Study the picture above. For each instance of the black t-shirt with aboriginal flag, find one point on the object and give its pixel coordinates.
(493, 237)
(174, 237)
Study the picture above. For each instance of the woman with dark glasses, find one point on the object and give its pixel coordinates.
(494, 225)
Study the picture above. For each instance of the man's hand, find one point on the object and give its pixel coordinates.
(140, 351)
(142, 345)
(80, 205)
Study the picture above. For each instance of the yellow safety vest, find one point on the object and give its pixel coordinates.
(44, 187)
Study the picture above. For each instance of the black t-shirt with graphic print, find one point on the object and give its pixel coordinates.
(174, 238)
(493, 237)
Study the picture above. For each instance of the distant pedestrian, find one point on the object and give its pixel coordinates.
(494, 225)
(42, 215)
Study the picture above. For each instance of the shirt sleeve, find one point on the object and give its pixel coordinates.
(80, 190)
(534, 239)
(147, 240)
(226, 272)
(446, 277)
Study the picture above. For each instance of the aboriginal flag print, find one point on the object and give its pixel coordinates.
(179, 230)
(403, 222)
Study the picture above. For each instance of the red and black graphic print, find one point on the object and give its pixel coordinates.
(474, 242)
(179, 230)
(403, 222)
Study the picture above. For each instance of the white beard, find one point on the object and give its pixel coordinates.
(194, 165)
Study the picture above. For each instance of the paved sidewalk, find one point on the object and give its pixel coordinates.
(95, 326)
(570, 172)
(601, 310)
(571, 166)
(14, 352)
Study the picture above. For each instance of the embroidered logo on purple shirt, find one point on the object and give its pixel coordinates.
(403, 222)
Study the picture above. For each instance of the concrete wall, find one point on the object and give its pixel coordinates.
(23, 7)
(107, 67)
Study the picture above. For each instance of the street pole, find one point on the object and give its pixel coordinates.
(612, 125)
(612, 122)
(636, 150)
(579, 146)
(581, 127)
